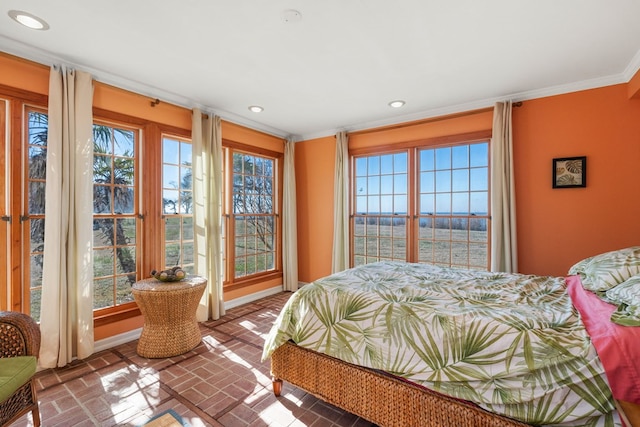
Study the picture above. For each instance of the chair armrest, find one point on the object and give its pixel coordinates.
(19, 335)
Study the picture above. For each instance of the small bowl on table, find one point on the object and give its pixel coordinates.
(174, 274)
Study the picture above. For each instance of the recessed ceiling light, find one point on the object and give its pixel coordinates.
(396, 104)
(28, 20)
(256, 109)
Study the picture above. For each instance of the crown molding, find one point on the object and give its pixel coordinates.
(475, 105)
(633, 67)
(20, 49)
(40, 56)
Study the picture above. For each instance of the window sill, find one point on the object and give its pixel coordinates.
(252, 280)
(113, 317)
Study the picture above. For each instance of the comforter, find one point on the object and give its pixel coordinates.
(511, 343)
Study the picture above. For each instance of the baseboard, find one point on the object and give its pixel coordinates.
(252, 297)
(126, 337)
(116, 340)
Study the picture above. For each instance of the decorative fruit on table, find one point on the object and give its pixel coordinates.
(173, 274)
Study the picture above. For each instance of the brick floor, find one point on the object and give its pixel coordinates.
(221, 382)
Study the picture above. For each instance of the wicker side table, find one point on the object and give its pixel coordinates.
(169, 309)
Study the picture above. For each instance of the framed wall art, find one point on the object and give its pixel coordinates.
(570, 172)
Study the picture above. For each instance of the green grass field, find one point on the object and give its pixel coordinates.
(460, 248)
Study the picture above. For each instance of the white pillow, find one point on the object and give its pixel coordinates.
(627, 292)
(627, 297)
(602, 272)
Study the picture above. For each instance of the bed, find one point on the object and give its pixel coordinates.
(404, 344)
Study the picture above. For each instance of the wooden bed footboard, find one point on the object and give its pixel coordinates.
(382, 399)
(630, 413)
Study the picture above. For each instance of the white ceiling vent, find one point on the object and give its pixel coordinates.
(290, 16)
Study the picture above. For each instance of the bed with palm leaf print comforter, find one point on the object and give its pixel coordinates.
(511, 343)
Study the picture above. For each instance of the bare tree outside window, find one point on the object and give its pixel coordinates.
(253, 214)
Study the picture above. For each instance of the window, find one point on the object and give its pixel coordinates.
(252, 233)
(36, 168)
(437, 214)
(381, 200)
(453, 200)
(115, 213)
(177, 203)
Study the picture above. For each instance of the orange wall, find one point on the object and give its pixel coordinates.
(23, 74)
(315, 160)
(237, 133)
(557, 227)
(434, 128)
(26, 75)
(634, 86)
(121, 101)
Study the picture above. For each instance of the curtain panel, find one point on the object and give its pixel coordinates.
(340, 256)
(289, 221)
(67, 317)
(504, 253)
(207, 213)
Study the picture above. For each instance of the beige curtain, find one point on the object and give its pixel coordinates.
(207, 212)
(504, 254)
(66, 318)
(340, 257)
(289, 221)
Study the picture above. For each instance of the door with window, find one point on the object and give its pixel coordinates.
(33, 222)
(4, 206)
(23, 153)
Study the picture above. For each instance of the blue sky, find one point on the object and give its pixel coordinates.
(450, 179)
(174, 154)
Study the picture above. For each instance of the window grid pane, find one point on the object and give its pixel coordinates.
(35, 174)
(453, 205)
(115, 210)
(177, 203)
(253, 220)
(381, 201)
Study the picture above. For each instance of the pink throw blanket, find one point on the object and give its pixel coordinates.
(618, 346)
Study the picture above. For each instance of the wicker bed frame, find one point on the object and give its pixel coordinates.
(375, 396)
(386, 400)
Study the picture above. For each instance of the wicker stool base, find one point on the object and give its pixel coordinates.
(161, 341)
(169, 310)
(382, 399)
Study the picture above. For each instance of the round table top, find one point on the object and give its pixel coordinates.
(153, 284)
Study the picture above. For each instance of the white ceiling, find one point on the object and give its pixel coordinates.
(340, 65)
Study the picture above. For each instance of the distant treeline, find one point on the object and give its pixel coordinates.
(444, 223)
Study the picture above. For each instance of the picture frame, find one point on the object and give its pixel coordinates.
(569, 172)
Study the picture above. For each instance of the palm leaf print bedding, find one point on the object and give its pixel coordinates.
(511, 343)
